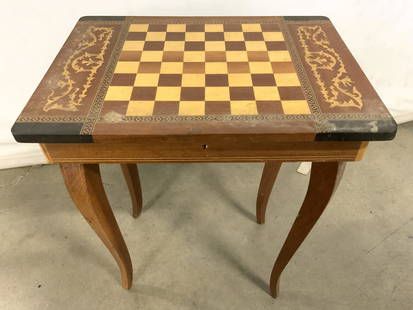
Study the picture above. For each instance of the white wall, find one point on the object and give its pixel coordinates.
(379, 33)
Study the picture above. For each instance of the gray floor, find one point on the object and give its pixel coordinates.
(196, 245)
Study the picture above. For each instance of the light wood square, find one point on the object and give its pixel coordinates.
(140, 108)
(251, 28)
(119, 93)
(193, 80)
(196, 56)
(260, 67)
(216, 67)
(244, 107)
(239, 79)
(176, 46)
(155, 36)
(273, 36)
(214, 27)
(235, 56)
(172, 67)
(127, 67)
(195, 36)
(279, 56)
(192, 108)
(234, 36)
(255, 46)
(287, 79)
(176, 28)
(214, 46)
(147, 79)
(138, 28)
(295, 107)
(151, 56)
(168, 93)
(133, 46)
(266, 93)
(216, 93)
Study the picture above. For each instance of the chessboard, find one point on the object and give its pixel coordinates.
(205, 69)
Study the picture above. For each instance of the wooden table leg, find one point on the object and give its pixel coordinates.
(85, 186)
(323, 181)
(269, 175)
(131, 174)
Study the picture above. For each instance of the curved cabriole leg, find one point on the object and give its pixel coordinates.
(323, 181)
(131, 174)
(85, 186)
(269, 175)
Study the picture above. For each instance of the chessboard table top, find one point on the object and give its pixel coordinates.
(160, 76)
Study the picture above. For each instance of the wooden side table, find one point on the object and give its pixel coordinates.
(202, 89)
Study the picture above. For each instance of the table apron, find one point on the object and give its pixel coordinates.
(202, 151)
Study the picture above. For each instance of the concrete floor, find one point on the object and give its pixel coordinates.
(197, 246)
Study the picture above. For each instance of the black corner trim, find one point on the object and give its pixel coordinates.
(101, 18)
(305, 18)
(359, 130)
(49, 133)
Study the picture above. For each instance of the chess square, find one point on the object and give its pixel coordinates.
(232, 28)
(217, 107)
(157, 27)
(168, 93)
(270, 27)
(149, 67)
(214, 46)
(140, 108)
(216, 67)
(215, 56)
(214, 36)
(133, 45)
(257, 56)
(283, 67)
(154, 46)
(130, 56)
(216, 93)
(174, 46)
(138, 28)
(171, 67)
(194, 67)
(255, 46)
(176, 28)
(192, 108)
(234, 36)
(194, 56)
(151, 56)
(195, 36)
(136, 36)
(273, 36)
(238, 67)
(155, 36)
(276, 45)
(244, 107)
(239, 79)
(118, 93)
(216, 80)
(126, 67)
(269, 107)
(263, 79)
(194, 46)
(166, 108)
(123, 79)
(241, 93)
(251, 28)
(235, 46)
(279, 56)
(291, 93)
(170, 80)
(236, 56)
(175, 36)
(143, 93)
(260, 67)
(192, 93)
(253, 36)
(214, 27)
(287, 79)
(193, 80)
(146, 79)
(169, 56)
(295, 107)
(266, 93)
